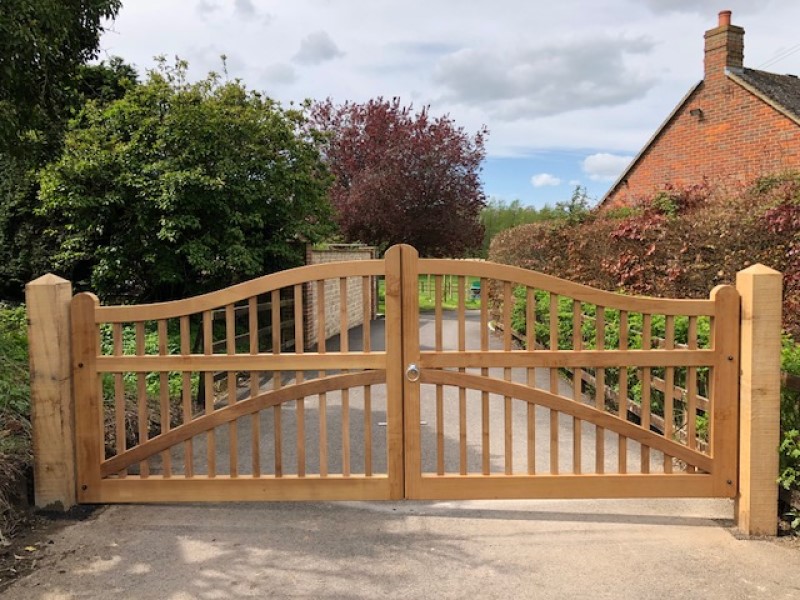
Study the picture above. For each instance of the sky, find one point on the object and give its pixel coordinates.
(570, 90)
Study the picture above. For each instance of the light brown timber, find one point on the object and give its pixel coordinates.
(51, 380)
(88, 403)
(756, 504)
(394, 372)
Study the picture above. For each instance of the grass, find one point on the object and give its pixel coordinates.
(427, 293)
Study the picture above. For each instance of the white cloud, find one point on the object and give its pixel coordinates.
(564, 46)
(244, 9)
(279, 74)
(693, 6)
(544, 179)
(317, 48)
(605, 167)
(545, 80)
(205, 7)
(574, 182)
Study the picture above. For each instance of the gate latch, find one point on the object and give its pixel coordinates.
(412, 373)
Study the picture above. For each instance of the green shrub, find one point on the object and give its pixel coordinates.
(790, 460)
(152, 379)
(14, 387)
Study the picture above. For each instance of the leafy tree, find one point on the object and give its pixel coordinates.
(42, 44)
(23, 251)
(179, 188)
(402, 176)
(576, 209)
(103, 82)
(499, 215)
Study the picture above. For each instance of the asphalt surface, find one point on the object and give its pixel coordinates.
(478, 549)
(487, 549)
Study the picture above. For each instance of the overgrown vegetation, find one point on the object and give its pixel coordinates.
(679, 243)
(15, 446)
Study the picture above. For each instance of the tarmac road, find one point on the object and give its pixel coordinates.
(642, 549)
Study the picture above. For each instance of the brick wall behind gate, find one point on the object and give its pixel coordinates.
(355, 300)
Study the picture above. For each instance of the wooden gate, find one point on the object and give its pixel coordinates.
(590, 408)
(261, 419)
(595, 394)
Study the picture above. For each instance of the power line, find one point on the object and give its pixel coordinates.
(780, 56)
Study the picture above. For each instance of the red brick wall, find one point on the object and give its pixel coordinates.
(739, 138)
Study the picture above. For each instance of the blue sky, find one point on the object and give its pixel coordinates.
(548, 176)
(569, 90)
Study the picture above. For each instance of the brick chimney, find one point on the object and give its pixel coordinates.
(724, 47)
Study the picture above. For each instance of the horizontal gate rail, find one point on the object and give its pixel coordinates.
(237, 293)
(587, 485)
(569, 358)
(562, 287)
(308, 361)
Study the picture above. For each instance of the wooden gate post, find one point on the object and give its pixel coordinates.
(52, 417)
(759, 400)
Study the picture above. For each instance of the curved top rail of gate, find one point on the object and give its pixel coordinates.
(238, 292)
(563, 287)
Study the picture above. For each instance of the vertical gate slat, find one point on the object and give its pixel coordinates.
(439, 389)
(208, 388)
(577, 384)
(255, 387)
(553, 325)
(186, 397)
(119, 396)
(299, 348)
(462, 391)
(275, 306)
(623, 391)
(163, 391)
(143, 416)
(485, 439)
(508, 303)
(645, 419)
(322, 398)
(669, 390)
(691, 393)
(344, 347)
(366, 345)
(101, 415)
(600, 392)
(230, 348)
(530, 344)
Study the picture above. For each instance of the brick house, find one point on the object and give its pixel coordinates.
(733, 126)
